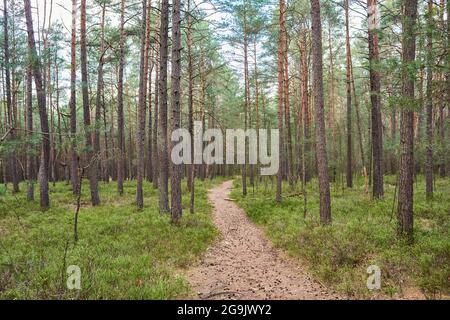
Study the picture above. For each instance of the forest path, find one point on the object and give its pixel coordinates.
(243, 264)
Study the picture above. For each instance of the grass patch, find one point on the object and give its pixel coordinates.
(122, 253)
(362, 234)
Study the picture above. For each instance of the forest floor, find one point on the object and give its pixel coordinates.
(362, 234)
(243, 264)
(122, 253)
(265, 251)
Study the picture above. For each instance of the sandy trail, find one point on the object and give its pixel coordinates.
(243, 264)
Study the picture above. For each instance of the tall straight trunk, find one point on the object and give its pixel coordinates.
(15, 95)
(52, 122)
(3, 112)
(375, 98)
(58, 120)
(349, 99)
(251, 167)
(162, 134)
(107, 167)
(281, 60)
(73, 103)
(190, 175)
(191, 167)
(443, 122)
(129, 156)
(9, 102)
(298, 126)
(429, 104)
(321, 151)
(419, 115)
(100, 86)
(48, 82)
(447, 62)
(287, 109)
(91, 157)
(257, 113)
(406, 177)
(120, 113)
(155, 153)
(40, 92)
(141, 116)
(176, 105)
(246, 102)
(305, 104)
(393, 116)
(420, 119)
(331, 108)
(441, 126)
(149, 160)
(358, 121)
(370, 148)
(150, 64)
(3, 118)
(202, 73)
(114, 147)
(30, 160)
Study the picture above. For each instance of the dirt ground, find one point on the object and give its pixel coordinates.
(243, 264)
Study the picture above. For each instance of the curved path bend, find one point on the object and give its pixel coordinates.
(243, 264)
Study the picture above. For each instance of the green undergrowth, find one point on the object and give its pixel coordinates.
(122, 253)
(363, 233)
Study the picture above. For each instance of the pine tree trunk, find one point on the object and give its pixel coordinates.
(305, 105)
(129, 156)
(141, 116)
(176, 106)
(149, 63)
(107, 167)
(60, 174)
(246, 103)
(349, 100)
(406, 178)
(162, 134)
(114, 157)
(258, 120)
(30, 160)
(321, 151)
(91, 157)
(149, 160)
(155, 152)
(394, 162)
(375, 98)
(332, 109)
(9, 102)
(290, 156)
(202, 73)
(100, 87)
(40, 91)
(429, 104)
(73, 103)
(190, 175)
(447, 61)
(443, 122)
(120, 113)
(358, 121)
(281, 96)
